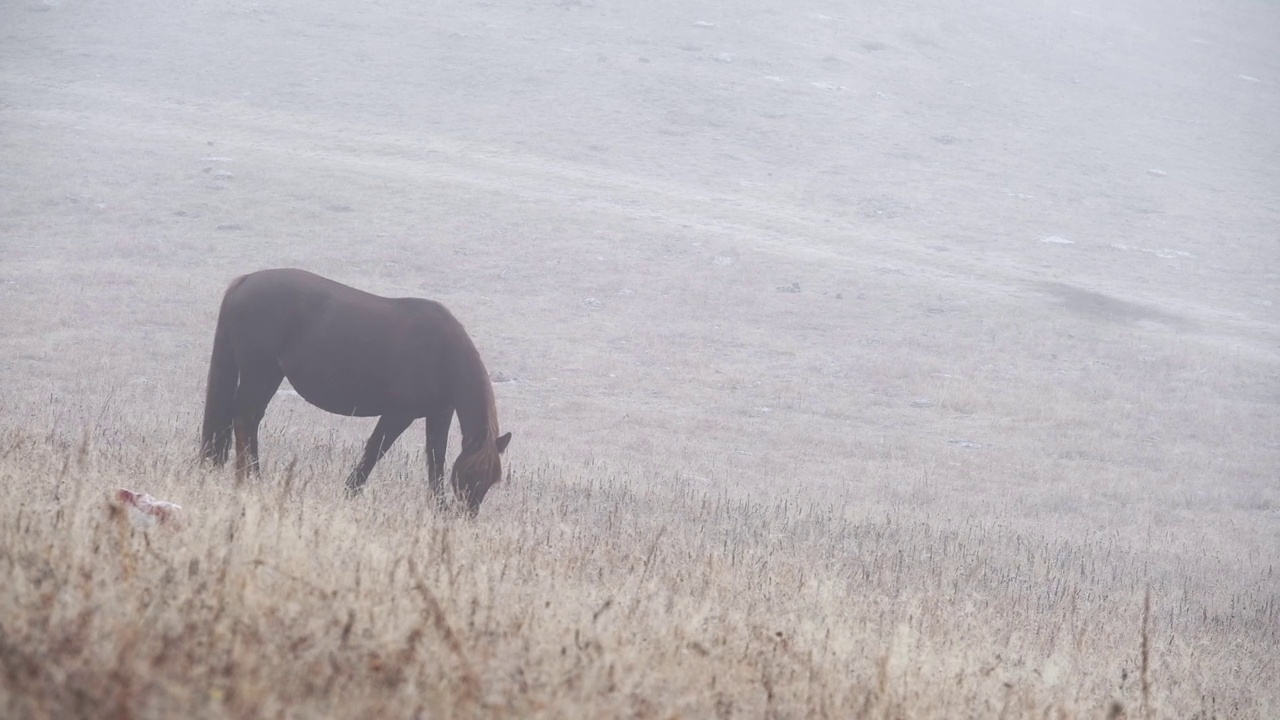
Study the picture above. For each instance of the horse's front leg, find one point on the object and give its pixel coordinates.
(243, 462)
(388, 429)
(438, 424)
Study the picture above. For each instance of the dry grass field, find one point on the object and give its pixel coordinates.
(891, 359)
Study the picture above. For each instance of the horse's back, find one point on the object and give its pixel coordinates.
(287, 284)
(292, 285)
(343, 349)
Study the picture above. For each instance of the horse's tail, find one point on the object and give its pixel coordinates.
(220, 394)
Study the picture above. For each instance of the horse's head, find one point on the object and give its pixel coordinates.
(478, 470)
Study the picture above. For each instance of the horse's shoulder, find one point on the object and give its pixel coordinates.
(419, 305)
(426, 311)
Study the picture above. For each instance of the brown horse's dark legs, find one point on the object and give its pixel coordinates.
(384, 435)
(242, 450)
(252, 396)
(437, 443)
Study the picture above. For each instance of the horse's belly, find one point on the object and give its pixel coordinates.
(350, 364)
(338, 394)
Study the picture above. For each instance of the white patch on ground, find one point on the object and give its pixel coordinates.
(1161, 253)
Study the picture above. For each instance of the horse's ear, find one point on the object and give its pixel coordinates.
(502, 442)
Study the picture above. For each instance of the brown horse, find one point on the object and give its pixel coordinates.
(351, 353)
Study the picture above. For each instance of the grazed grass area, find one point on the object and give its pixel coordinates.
(588, 591)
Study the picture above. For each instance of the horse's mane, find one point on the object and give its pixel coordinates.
(477, 413)
(480, 460)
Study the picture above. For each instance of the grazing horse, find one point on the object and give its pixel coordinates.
(351, 353)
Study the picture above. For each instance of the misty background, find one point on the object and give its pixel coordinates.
(783, 244)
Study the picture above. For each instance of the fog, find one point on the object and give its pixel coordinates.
(1013, 263)
(983, 130)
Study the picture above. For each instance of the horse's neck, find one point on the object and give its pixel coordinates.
(474, 402)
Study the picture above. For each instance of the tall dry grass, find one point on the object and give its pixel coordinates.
(589, 591)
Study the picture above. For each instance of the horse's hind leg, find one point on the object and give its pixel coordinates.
(257, 386)
(389, 428)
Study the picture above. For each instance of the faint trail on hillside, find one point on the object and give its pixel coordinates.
(767, 227)
(434, 158)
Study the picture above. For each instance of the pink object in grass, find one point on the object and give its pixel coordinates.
(146, 512)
